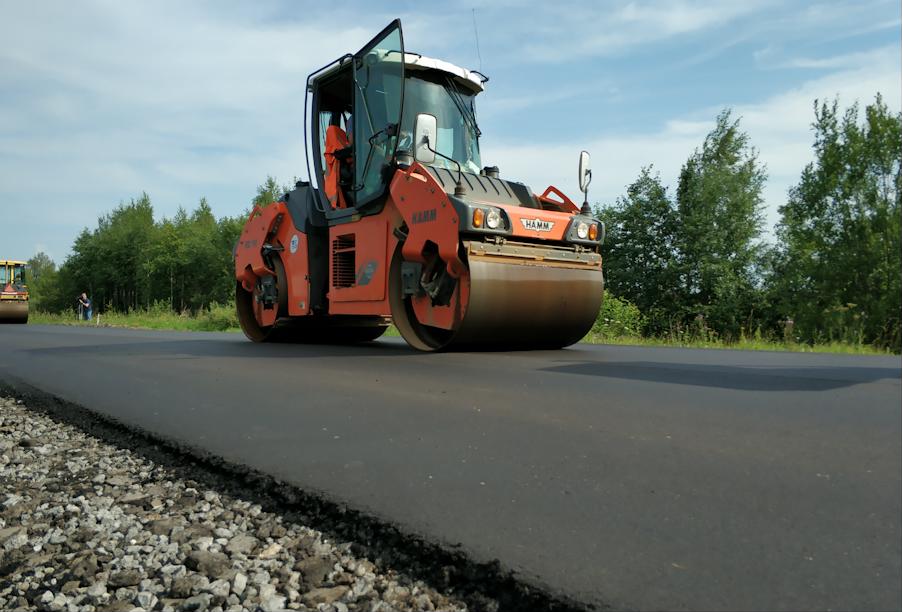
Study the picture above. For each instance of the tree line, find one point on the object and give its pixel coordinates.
(695, 262)
(130, 261)
(692, 262)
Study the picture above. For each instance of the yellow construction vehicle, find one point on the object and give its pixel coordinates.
(13, 292)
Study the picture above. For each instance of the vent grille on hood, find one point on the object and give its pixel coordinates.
(484, 188)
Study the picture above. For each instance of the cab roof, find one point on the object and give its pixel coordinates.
(471, 79)
(468, 78)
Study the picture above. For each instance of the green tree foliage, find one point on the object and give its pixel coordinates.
(719, 208)
(270, 191)
(42, 277)
(690, 264)
(39, 266)
(130, 261)
(108, 263)
(837, 270)
(640, 261)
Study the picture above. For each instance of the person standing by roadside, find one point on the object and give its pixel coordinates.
(84, 306)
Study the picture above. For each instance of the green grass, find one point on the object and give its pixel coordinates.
(217, 318)
(222, 318)
(741, 345)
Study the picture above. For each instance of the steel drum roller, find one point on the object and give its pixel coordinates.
(13, 311)
(529, 304)
(519, 297)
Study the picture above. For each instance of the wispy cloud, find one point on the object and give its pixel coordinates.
(176, 99)
(599, 30)
(679, 17)
(770, 58)
(102, 100)
(492, 105)
(123, 95)
(779, 128)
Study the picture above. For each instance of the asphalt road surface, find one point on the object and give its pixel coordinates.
(633, 477)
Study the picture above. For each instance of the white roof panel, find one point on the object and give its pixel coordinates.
(468, 78)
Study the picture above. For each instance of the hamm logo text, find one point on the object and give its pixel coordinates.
(424, 216)
(537, 225)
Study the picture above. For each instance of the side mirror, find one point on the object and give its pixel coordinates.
(585, 172)
(424, 142)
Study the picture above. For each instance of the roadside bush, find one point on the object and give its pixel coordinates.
(618, 318)
(219, 317)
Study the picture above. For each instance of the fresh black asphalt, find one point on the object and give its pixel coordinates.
(649, 478)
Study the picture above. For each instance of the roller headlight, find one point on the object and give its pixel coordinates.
(593, 231)
(582, 230)
(493, 219)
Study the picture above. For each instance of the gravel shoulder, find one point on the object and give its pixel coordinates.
(85, 525)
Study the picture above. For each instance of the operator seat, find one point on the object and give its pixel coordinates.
(338, 165)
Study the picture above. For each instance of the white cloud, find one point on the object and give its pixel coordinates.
(493, 104)
(779, 127)
(767, 58)
(102, 100)
(115, 98)
(600, 30)
(679, 17)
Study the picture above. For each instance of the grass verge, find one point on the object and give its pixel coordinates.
(741, 345)
(218, 318)
(222, 318)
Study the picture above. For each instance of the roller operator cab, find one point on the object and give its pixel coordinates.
(404, 223)
(13, 292)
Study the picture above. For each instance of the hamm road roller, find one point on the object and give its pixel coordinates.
(403, 224)
(13, 292)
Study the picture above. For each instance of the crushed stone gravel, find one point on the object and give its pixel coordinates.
(87, 526)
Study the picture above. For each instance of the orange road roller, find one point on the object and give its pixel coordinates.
(13, 292)
(404, 224)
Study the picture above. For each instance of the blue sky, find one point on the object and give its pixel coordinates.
(101, 100)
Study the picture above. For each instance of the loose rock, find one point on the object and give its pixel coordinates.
(214, 564)
(126, 578)
(13, 537)
(85, 526)
(324, 595)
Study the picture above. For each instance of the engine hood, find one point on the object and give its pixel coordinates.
(485, 189)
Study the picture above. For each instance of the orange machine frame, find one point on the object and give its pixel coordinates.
(361, 250)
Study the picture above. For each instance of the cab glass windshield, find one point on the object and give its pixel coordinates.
(457, 134)
(378, 75)
(19, 275)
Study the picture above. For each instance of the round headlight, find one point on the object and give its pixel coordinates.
(493, 219)
(582, 230)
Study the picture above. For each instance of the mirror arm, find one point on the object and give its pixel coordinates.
(459, 189)
(585, 210)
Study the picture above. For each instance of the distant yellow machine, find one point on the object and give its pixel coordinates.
(13, 292)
